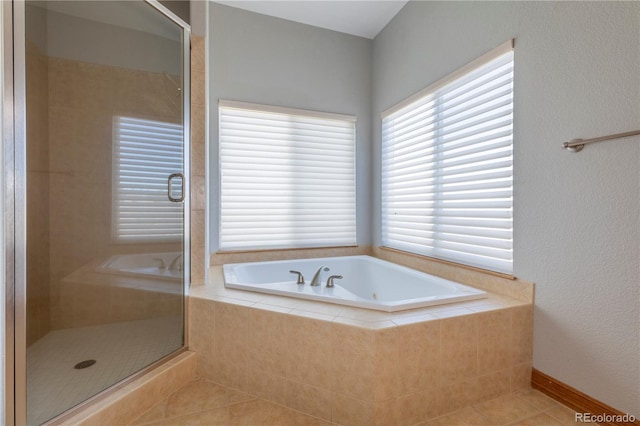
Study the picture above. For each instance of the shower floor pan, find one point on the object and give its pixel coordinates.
(119, 349)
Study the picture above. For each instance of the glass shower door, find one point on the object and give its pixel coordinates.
(105, 202)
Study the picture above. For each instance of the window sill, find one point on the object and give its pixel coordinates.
(447, 262)
(281, 249)
(224, 257)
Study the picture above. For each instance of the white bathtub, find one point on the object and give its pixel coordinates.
(165, 266)
(367, 283)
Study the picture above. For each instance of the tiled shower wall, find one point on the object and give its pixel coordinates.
(199, 259)
(71, 105)
(83, 99)
(37, 194)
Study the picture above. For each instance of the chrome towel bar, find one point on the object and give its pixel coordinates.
(576, 145)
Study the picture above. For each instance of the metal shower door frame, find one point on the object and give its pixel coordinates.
(8, 248)
(14, 206)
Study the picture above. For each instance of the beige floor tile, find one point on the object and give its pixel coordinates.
(259, 412)
(563, 414)
(196, 396)
(465, 417)
(215, 417)
(537, 399)
(155, 414)
(201, 402)
(506, 409)
(541, 419)
(158, 423)
(420, 407)
(300, 419)
(235, 396)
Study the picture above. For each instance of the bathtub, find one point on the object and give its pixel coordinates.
(367, 283)
(164, 266)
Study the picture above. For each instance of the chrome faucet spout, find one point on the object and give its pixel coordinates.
(317, 278)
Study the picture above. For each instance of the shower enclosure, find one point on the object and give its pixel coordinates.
(99, 200)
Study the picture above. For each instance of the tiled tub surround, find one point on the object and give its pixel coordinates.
(356, 366)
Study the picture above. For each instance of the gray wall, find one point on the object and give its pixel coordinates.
(260, 59)
(577, 230)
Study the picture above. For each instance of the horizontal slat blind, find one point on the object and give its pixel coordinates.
(447, 169)
(287, 178)
(146, 152)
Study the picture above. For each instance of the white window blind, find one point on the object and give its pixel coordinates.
(447, 173)
(287, 178)
(145, 153)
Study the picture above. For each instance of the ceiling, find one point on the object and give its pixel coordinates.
(360, 18)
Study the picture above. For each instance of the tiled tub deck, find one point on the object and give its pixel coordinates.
(356, 366)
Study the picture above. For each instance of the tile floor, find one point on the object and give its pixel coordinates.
(120, 349)
(204, 403)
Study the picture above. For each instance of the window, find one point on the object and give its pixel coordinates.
(287, 178)
(447, 171)
(145, 153)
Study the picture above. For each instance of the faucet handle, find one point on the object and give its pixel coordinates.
(300, 277)
(161, 264)
(331, 278)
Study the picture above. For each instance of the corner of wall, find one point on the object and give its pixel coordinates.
(199, 256)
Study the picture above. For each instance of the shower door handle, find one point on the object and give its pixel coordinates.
(169, 194)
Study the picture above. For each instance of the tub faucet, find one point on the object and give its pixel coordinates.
(176, 264)
(317, 277)
(161, 264)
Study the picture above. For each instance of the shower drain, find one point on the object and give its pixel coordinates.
(84, 364)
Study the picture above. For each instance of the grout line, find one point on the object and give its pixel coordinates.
(558, 404)
(485, 418)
